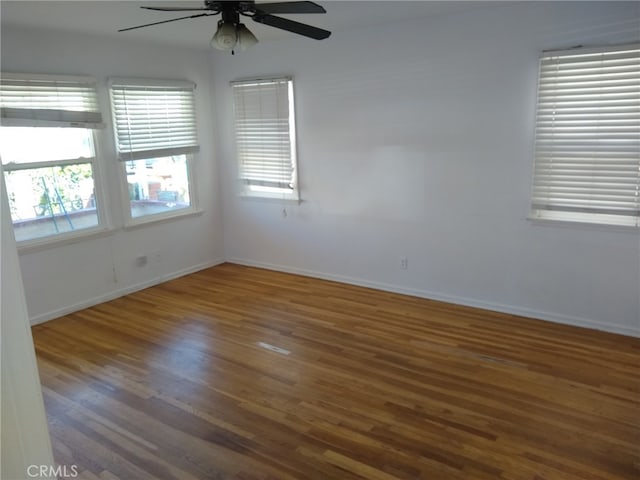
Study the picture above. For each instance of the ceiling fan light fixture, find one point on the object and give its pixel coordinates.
(225, 37)
(246, 39)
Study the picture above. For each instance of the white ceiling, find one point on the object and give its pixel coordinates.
(104, 17)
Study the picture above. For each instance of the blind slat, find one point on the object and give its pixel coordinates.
(152, 121)
(587, 161)
(263, 133)
(49, 100)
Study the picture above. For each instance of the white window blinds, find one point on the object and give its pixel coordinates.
(153, 119)
(264, 133)
(49, 101)
(587, 160)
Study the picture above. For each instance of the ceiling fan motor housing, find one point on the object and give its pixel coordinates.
(241, 7)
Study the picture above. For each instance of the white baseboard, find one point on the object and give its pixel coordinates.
(509, 309)
(497, 307)
(121, 292)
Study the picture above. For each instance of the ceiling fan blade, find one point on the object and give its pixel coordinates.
(291, 26)
(175, 9)
(290, 7)
(166, 21)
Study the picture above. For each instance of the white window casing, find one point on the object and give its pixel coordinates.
(587, 155)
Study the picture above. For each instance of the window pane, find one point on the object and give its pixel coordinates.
(29, 144)
(158, 185)
(52, 200)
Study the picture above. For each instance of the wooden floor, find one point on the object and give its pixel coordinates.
(241, 373)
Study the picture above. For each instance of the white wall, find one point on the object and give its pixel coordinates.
(65, 278)
(25, 437)
(416, 140)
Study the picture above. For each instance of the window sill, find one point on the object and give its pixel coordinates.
(271, 199)
(550, 222)
(45, 243)
(142, 222)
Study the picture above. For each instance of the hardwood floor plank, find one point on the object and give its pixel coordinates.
(241, 373)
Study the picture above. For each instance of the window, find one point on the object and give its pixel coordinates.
(48, 154)
(265, 137)
(587, 160)
(155, 132)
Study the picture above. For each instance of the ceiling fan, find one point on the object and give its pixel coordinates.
(231, 33)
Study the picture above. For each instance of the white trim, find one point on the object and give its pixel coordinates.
(56, 239)
(14, 167)
(258, 80)
(21, 122)
(442, 297)
(48, 77)
(148, 82)
(277, 198)
(291, 197)
(162, 217)
(121, 292)
(604, 227)
(580, 50)
(76, 236)
(497, 307)
(25, 435)
(135, 222)
(61, 239)
(158, 153)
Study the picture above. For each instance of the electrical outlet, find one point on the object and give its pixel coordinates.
(404, 263)
(157, 256)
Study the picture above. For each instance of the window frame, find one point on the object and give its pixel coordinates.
(191, 156)
(245, 190)
(551, 210)
(131, 222)
(97, 176)
(89, 120)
